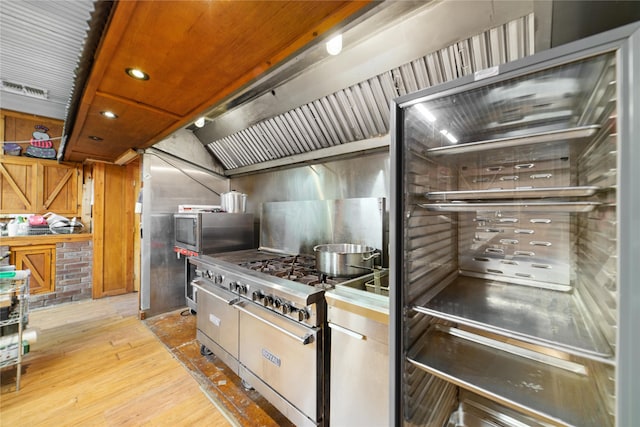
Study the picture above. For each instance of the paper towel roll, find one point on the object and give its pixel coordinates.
(29, 335)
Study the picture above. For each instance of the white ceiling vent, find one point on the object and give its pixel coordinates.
(21, 89)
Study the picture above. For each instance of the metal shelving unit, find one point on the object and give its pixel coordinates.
(14, 286)
(512, 241)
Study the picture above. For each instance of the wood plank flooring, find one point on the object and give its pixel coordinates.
(96, 364)
(177, 330)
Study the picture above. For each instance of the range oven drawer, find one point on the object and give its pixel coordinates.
(283, 354)
(217, 318)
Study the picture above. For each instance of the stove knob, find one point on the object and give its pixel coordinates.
(286, 308)
(233, 286)
(257, 295)
(243, 288)
(277, 303)
(209, 274)
(267, 301)
(218, 279)
(303, 314)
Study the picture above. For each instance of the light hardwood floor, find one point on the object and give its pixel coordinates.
(96, 364)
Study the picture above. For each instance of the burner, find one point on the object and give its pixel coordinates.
(297, 268)
(309, 280)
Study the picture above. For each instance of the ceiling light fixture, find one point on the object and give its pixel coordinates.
(137, 74)
(334, 45)
(200, 122)
(109, 114)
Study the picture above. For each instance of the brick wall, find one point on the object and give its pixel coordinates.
(74, 269)
(74, 262)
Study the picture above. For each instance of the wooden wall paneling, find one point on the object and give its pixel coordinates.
(98, 228)
(112, 231)
(20, 127)
(2, 131)
(117, 274)
(85, 188)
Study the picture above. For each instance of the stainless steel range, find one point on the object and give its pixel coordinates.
(264, 314)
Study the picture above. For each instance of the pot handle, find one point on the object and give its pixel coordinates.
(373, 255)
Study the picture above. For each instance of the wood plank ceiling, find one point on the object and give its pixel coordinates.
(196, 53)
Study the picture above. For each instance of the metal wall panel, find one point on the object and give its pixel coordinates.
(167, 183)
(296, 227)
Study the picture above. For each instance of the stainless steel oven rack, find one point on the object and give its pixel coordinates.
(576, 134)
(517, 193)
(475, 410)
(522, 206)
(531, 314)
(541, 385)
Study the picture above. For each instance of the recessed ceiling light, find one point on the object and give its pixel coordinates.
(200, 122)
(109, 114)
(95, 138)
(137, 74)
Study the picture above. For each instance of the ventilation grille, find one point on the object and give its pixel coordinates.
(21, 89)
(361, 111)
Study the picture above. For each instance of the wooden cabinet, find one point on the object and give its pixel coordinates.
(31, 185)
(41, 260)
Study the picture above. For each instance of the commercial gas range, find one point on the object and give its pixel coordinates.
(264, 315)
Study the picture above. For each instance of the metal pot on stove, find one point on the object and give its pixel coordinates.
(344, 259)
(233, 202)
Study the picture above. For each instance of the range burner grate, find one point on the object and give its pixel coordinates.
(297, 268)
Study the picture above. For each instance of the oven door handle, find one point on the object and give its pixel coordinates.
(302, 340)
(232, 301)
(346, 331)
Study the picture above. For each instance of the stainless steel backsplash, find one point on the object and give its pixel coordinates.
(296, 227)
(366, 176)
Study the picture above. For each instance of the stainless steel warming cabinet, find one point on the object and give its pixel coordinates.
(514, 242)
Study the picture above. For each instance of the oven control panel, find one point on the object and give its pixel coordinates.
(281, 305)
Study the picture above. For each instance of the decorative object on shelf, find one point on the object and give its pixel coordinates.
(12, 149)
(41, 145)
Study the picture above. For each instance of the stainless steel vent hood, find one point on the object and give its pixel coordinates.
(340, 105)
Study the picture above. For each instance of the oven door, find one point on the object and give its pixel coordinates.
(217, 321)
(284, 355)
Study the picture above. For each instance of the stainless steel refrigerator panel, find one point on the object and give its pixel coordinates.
(167, 183)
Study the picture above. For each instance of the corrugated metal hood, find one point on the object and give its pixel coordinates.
(319, 107)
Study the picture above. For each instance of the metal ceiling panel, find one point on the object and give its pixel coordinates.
(361, 111)
(40, 46)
